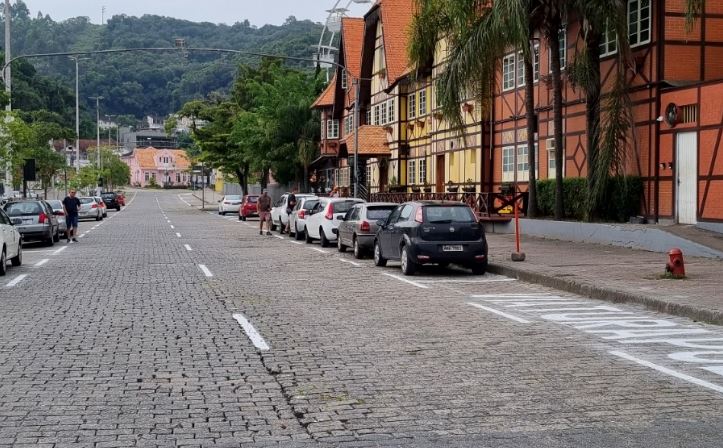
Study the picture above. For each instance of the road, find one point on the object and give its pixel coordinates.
(168, 326)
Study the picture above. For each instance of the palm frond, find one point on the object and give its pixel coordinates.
(693, 9)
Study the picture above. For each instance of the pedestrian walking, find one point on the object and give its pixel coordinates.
(71, 207)
(264, 207)
(290, 204)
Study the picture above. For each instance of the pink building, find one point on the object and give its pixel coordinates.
(168, 167)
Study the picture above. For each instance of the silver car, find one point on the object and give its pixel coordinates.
(359, 226)
(103, 208)
(60, 213)
(89, 209)
(37, 221)
(298, 216)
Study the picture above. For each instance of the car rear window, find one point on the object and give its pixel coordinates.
(342, 207)
(445, 214)
(86, 200)
(23, 209)
(253, 199)
(379, 213)
(108, 195)
(57, 205)
(233, 198)
(308, 205)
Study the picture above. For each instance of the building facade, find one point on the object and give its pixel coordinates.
(167, 168)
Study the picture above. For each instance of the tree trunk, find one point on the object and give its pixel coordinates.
(531, 126)
(241, 180)
(553, 37)
(592, 118)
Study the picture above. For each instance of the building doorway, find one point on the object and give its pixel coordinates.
(686, 168)
(439, 170)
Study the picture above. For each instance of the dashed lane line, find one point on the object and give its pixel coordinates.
(667, 371)
(353, 263)
(41, 262)
(320, 250)
(499, 313)
(17, 280)
(296, 242)
(178, 234)
(173, 227)
(184, 201)
(402, 279)
(279, 237)
(188, 248)
(205, 270)
(252, 333)
(60, 250)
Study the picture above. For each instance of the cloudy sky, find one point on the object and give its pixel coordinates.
(258, 12)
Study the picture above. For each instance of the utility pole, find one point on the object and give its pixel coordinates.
(77, 112)
(8, 80)
(97, 100)
(356, 137)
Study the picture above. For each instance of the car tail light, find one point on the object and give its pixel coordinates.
(42, 217)
(302, 214)
(418, 216)
(330, 212)
(94, 206)
(60, 213)
(365, 227)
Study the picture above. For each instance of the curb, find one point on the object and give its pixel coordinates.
(610, 295)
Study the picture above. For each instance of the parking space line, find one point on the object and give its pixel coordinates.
(296, 242)
(499, 313)
(252, 333)
(188, 248)
(205, 270)
(184, 201)
(402, 279)
(60, 250)
(279, 237)
(489, 280)
(16, 280)
(173, 227)
(41, 262)
(320, 250)
(353, 263)
(178, 234)
(667, 371)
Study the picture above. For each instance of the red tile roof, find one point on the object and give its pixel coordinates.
(353, 39)
(372, 141)
(147, 158)
(326, 99)
(396, 18)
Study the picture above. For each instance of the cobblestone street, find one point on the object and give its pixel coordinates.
(169, 326)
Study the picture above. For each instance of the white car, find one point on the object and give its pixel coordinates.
(11, 243)
(229, 204)
(299, 215)
(279, 217)
(327, 214)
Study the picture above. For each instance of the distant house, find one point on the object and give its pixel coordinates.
(164, 167)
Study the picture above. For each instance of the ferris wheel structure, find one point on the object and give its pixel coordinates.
(327, 50)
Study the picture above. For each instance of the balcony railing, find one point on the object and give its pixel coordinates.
(485, 205)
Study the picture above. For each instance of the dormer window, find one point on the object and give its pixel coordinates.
(344, 83)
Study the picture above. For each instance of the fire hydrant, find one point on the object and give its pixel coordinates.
(675, 265)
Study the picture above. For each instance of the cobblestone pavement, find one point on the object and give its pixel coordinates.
(133, 338)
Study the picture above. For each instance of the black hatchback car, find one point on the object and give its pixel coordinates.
(111, 200)
(438, 232)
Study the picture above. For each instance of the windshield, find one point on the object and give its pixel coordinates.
(379, 213)
(252, 199)
(108, 195)
(86, 200)
(233, 197)
(448, 214)
(23, 208)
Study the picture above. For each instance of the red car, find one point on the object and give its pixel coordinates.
(248, 207)
(121, 199)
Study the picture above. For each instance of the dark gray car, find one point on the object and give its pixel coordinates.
(37, 220)
(360, 225)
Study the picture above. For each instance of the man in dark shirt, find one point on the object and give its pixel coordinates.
(71, 206)
(290, 204)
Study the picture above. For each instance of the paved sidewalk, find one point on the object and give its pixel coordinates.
(615, 274)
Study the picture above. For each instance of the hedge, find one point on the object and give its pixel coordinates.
(622, 198)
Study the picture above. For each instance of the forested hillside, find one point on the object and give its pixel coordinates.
(143, 83)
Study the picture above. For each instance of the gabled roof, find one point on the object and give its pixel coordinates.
(352, 39)
(146, 158)
(327, 97)
(396, 16)
(372, 141)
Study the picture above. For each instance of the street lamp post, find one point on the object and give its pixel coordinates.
(97, 100)
(7, 78)
(77, 112)
(356, 137)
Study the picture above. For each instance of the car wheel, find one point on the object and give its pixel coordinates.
(220, 213)
(339, 246)
(50, 242)
(18, 259)
(240, 218)
(358, 253)
(272, 225)
(479, 269)
(298, 235)
(3, 263)
(379, 260)
(308, 237)
(409, 267)
(117, 209)
(98, 218)
(56, 237)
(323, 239)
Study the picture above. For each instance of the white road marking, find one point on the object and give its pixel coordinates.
(515, 296)
(296, 242)
(184, 201)
(41, 262)
(173, 227)
(178, 234)
(252, 333)
(205, 270)
(499, 313)
(82, 236)
(667, 371)
(353, 263)
(28, 251)
(188, 248)
(60, 250)
(489, 280)
(320, 250)
(402, 279)
(17, 280)
(279, 237)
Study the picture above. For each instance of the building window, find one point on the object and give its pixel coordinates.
(411, 172)
(520, 69)
(377, 118)
(422, 102)
(608, 42)
(508, 164)
(370, 175)
(536, 62)
(178, 177)
(639, 22)
(344, 176)
(423, 171)
(523, 163)
(147, 176)
(551, 168)
(563, 49)
(323, 129)
(344, 83)
(369, 116)
(332, 127)
(508, 72)
(384, 113)
(348, 124)
(412, 105)
(391, 111)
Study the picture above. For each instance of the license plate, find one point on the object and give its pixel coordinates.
(455, 248)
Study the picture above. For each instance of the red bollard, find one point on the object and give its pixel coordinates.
(675, 265)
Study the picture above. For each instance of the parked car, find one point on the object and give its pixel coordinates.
(298, 216)
(11, 243)
(326, 215)
(359, 227)
(229, 204)
(36, 220)
(279, 217)
(424, 232)
(101, 205)
(89, 209)
(111, 200)
(58, 211)
(248, 207)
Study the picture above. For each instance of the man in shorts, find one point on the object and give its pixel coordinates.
(264, 207)
(71, 206)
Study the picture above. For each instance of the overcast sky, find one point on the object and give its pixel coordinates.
(258, 12)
